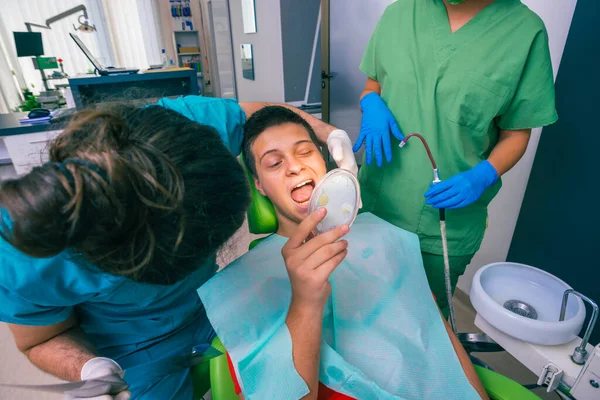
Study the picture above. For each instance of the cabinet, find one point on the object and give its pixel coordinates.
(29, 150)
(148, 86)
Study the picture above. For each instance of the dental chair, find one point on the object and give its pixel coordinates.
(262, 220)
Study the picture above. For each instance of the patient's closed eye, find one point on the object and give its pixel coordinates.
(304, 150)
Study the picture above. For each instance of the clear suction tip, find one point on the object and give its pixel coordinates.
(436, 177)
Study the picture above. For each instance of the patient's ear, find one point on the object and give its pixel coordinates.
(258, 186)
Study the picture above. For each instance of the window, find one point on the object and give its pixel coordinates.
(128, 35)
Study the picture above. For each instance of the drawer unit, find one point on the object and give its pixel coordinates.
(29, 150)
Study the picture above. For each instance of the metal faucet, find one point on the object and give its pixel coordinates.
(580, 353)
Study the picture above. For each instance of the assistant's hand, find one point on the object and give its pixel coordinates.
(310, 263)
(340, 147)
(104, 382)
(377, 123)
(464, 188)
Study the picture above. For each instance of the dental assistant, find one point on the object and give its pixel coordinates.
(102, 250)
(473, 77)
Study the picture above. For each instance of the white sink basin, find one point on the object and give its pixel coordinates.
(536, 293)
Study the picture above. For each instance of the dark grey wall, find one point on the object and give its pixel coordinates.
(298, 25)
(559, 224)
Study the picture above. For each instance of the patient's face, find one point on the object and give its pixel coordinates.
(288, 166)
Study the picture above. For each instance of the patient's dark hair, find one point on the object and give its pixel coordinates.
(264, 119)
(173, 196)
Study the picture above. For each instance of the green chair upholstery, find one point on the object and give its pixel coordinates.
(220, 379)
(499, 387)
(261, 214)
(215, 376)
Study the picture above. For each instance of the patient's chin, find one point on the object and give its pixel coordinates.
(298, 211)
(302, 209)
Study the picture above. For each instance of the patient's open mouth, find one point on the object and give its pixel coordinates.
(301, 192)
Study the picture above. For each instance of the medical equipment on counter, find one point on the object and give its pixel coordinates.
(536, 317)
(379, 292)
(339, 192)
(155, 369)
(436, 180)
(553, 364)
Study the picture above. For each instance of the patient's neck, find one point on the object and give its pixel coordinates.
(286, 227)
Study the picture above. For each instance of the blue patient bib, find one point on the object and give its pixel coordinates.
(383, 336)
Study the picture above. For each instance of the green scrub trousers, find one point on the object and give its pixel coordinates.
(458, 90)
(434, 268)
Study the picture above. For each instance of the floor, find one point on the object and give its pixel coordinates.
(16, 369)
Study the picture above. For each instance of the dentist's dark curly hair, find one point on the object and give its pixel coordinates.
(173, 196)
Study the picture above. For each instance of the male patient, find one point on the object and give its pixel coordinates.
(332, 319)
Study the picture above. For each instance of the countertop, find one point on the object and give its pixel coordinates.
(140, 76)
(10, 125)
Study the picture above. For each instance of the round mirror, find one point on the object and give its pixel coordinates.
(339, 193)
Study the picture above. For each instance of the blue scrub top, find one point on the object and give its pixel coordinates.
(120, 316)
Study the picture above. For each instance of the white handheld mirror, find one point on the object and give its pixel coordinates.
(339, 193)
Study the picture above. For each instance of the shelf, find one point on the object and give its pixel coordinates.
(188, 54)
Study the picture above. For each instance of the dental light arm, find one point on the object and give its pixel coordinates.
(63, 15)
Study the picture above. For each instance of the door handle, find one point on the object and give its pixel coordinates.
(325, 75)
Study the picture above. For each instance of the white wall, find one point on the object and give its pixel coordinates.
(268, 54)
(504, 209)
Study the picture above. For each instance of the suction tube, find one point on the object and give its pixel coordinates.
(402, 143)
(436, 180)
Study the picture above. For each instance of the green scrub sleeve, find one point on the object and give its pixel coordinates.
(369, 61)
(225, 115)
(533, 103)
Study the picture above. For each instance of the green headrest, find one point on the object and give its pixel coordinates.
(261, 214)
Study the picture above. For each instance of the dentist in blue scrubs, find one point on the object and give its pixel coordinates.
(103, 248)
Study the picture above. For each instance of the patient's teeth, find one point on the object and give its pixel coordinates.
(302, 184)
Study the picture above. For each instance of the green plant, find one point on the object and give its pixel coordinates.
(30, 101)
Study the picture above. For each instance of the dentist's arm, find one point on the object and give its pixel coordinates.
(63, 350)
(60, 349)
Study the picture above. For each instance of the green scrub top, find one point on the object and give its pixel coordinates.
(458, 90)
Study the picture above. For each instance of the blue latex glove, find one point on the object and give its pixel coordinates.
(377, 122)
(462, 189)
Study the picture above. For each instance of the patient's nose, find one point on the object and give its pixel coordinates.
(294, 166)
